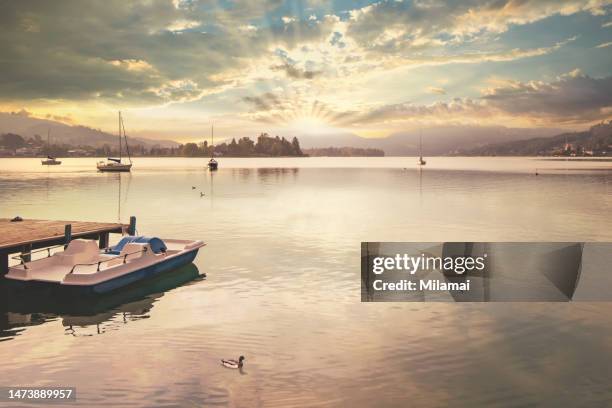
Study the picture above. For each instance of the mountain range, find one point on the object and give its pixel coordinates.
(595, 141)
(28, 126)
(437, 141)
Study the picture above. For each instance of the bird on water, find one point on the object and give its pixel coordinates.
(230, 363)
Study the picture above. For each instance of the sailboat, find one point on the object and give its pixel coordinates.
(212, 163)
(421, 162)
(49, 161)
(114, 164)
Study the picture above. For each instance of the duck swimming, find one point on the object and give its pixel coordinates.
(233, 363)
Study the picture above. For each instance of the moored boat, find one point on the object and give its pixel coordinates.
(82, 268)
(115, 164)
(49, 161)
(421, 161)
(212, 163)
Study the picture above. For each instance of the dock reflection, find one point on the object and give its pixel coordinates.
(18, 311)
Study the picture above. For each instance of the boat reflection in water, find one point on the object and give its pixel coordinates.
(134, 302)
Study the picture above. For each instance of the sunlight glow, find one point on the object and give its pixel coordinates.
(309, 124)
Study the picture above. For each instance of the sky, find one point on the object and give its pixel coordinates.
(174, 67)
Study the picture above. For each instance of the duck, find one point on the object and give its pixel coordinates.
(193, 187)
(202, 194)
(230, 363)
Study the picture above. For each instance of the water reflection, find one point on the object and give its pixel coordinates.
(106, 312)
(119, 176)
(266, 175)
(283, 287)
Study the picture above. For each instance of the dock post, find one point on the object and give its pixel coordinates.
(103, 243)
(132, 227)
(27, 248)
(3, 263)
(67, 234)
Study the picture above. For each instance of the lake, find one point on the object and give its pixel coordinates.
(279, 282)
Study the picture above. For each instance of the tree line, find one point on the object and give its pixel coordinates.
(265, 146)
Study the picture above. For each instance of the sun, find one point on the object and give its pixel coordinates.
(309, 124)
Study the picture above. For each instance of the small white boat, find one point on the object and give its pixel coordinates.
(50, 161)
(82, 268)
(115, 165)
(421, 161)
(213, 165)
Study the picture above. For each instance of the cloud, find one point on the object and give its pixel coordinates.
(292, 32)
(59, 118)
(569, 99)
(264, 102)
(182, 24)
(294, 72)
(132, 65)
(400, 26)
(436, 90)
(142, 52)
(83, 55)
(405, 112)
(573, 97)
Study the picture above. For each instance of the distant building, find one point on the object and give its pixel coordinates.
(79, 152)
(26, 152)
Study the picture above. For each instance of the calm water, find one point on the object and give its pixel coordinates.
(282, 285)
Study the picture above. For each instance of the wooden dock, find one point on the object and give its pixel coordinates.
(27, 235)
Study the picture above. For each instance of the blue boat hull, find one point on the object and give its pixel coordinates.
(113, 284)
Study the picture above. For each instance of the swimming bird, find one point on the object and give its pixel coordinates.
(233, 363)
(202, 194)
(193, 187)
(536, 173)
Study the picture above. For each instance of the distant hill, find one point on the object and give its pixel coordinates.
(27, 126)
(597, 141)
(437, 141)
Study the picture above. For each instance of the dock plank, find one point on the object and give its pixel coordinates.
(33, 231)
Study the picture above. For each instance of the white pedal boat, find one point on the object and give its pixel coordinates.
(83, 268)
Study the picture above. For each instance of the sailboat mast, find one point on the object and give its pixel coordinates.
(119, 136)
(421, 144)
(127, 147)
(212, 141)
